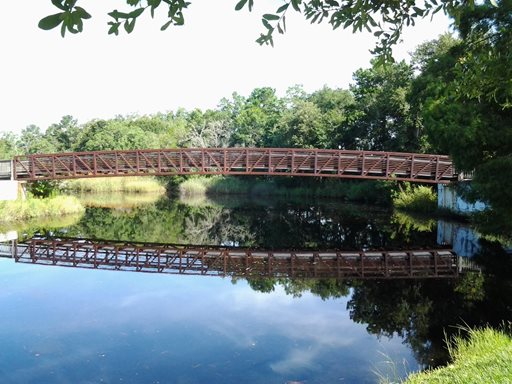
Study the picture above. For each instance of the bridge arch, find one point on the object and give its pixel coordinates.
(414, 167)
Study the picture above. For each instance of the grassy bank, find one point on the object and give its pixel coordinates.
(485, 357)
(358, 191)
(31, 208)
(114, 184)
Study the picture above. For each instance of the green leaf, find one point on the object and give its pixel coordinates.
(295, 5)
(129, 25)
(266, 24)
(251, 4)
(58, 4)
(118, 15)
(114, 28)
(83, 13)
(240, 5)
(50, 22)
(166, 25)
(269, 16)
(136, 13)
(283, 8)
(419, 11)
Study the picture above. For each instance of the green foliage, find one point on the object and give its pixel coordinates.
(418, 199)
(484, 357)
(464, 94)
(71, 17)
(43, 188)
(8, 146)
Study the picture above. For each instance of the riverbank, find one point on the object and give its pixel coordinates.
(31, 208)
(484, 357)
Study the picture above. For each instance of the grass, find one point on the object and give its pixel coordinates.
(485, 356)
(31, 208)
(376, 192)
(114, 184)
(417, 199)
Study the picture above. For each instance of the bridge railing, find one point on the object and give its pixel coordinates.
(238, 161)
(5, 169)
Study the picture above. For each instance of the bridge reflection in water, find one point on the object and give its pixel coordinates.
(236, 262)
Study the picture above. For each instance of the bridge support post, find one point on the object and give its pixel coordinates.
(448, 198)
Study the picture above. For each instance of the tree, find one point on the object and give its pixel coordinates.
(102, 135)
(255, 117)
(8, 146)
(302, 126)
(209, 129)
(382, 115)
(386, 19)
(465, 91)
(64, 134)
(32, 140)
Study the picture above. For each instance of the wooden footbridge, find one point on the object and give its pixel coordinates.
(413, 167)
(235, 262)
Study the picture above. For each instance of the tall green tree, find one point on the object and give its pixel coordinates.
(255, 118)
(383, 120)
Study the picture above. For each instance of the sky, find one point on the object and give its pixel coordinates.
(94, 75)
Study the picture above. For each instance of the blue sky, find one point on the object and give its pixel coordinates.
(93, 75)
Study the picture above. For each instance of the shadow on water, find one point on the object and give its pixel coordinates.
(420, 311)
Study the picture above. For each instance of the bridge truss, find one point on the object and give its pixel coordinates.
(238, 161)
(237, 262)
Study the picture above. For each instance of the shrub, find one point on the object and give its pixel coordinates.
(419, 199)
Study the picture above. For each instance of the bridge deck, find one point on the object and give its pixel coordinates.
(220, 261)
(238, 161)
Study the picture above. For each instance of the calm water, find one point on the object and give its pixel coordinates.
(91, 326)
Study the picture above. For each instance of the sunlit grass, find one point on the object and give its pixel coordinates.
(114, 184)
(485, 356)
(31, 208)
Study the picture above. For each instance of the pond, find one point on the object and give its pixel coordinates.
(90, 325)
